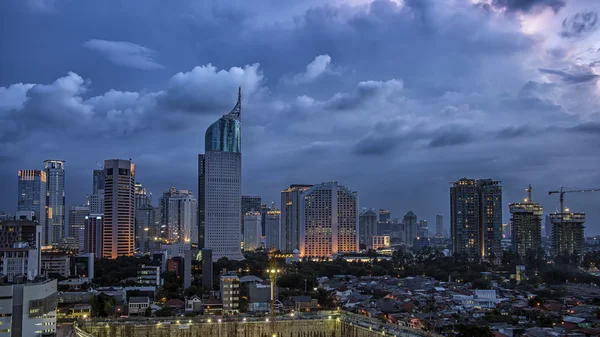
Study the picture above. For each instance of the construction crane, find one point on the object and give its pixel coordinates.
(562, 192)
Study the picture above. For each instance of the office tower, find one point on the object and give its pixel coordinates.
(526, 223)
(201, 218)
(422, 229)
(263, 217)
(329, 221)
(55, 199)
(221, 170)
(207, 268)
(410, 227)
(20, 248)
(273, 227)
(98, 182)
(141, 197)
(252, 231)
(476, 217)
(384, 215)
(178, 215)
(367, 221)
(118, 232)
(548, 227)
(77, 215)
(439, 225)
(249, 203)
(28, 309)
(567, 233)
(145, 228)
(96, 202)
(290, 217)
(32, 197)
(93, 234)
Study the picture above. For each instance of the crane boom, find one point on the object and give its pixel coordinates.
(562, 192)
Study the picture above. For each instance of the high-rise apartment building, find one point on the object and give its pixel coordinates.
(93, 234)
(249, 203)
(55, 199)
(409, 224)
(118, 231)
(384, 215)
(476, 217)
(32, 197)
(252, 230)
(273, 228)
(178, 215)
(329, 221)
(77, 216)
(526, 225)
(220, 169)
(567, 233)
(439, 225)
(230, 293)
(367, 221)
(290, 217)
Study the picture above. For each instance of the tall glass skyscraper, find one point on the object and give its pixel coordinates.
(55, 200)
(118, 231)
(32, 196)
(98, 181)
(220, 186)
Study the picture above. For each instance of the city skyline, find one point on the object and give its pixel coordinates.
(386, 121)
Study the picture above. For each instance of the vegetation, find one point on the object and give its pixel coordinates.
(102, 305)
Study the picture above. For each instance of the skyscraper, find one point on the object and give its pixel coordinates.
(567, 233)
(98, 182)
(526, 223)
(439, 225)
(367, 221)
(422, 229)
(145, 228)
(384, 215)
(290, 217)
(178, 215)
(32, 197)
(273, 227)
(252, 232)
(476, 217)
(249, 203)
(263, 217)
(141, 197)
(329, 221)
(77, 216)
(410, 227)
(118, 231)
(220, 167)
(55, 199)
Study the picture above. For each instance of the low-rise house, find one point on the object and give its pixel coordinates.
(138, 305)
(81, 310)
(193, 304)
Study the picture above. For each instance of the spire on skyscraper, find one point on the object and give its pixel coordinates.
(236, 112)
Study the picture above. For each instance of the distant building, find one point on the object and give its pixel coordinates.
(207, 268)
(77, 215)
(20, 249)
(146, 228)
(290, 217)
(476, 217)
(380, 241)
(118, 234)
(329, 221)
(384, 215)
(176, 249)
(506, 231)
(178, 215)
(55, 199)
(526, 223)
(96, 202)
(367, 221)
(28, 309)
(422, 229)
(263, 218)
(93, 234)
(56, 263)
(249, 203)
(230, 293)
(273, 229)
(439, 225)
(138, 305)
(32, 198)
(141, 196)
(252, 231)
(567, 233)
(98, 181)
(149, 275)
(410, 227)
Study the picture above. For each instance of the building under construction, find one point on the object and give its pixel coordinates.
(567, 233)
(526, 225)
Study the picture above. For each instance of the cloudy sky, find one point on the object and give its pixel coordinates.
(394, 99)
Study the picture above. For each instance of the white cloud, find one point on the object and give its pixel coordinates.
(319, 66)
(125, 53)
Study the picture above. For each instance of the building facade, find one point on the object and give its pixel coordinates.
(385, 215)
(55, 199)
(290, 217)
(32, 197)
(98, 181)
(252, 232)
(250, 203)
(329, 221)
(77, 215)
(20, 249)
(93, 234)
(230, 293)
(526, 225)
(567, 233)
(439, 225)
(410, 227)
(273, 229)
(118, 232)
(380, 241)
(146, 229)
(178, 212)
(28, 309)
(476, 217)
(367, 221)
(220, 167)
(56, 263)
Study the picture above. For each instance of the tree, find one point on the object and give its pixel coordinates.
(473, 330)
(102, 305)
(164, 312)
(480, 283)
(148, 312)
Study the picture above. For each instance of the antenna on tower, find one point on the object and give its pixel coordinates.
(100, 166)
(528, 193)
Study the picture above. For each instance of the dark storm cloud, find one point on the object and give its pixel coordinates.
(452, 137)
(571, 78)
(580, 24)
(528, 5)
(589, 127)
(515, 132)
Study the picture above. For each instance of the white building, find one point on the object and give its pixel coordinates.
(176, 249)
(20, 248)
(96, 202)
(56, 263)
(178, 209)
(28, 309)
(138, 305)
(220, 186)
(149, 275)
(329, 220)
(273, 229)
(252, 231)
